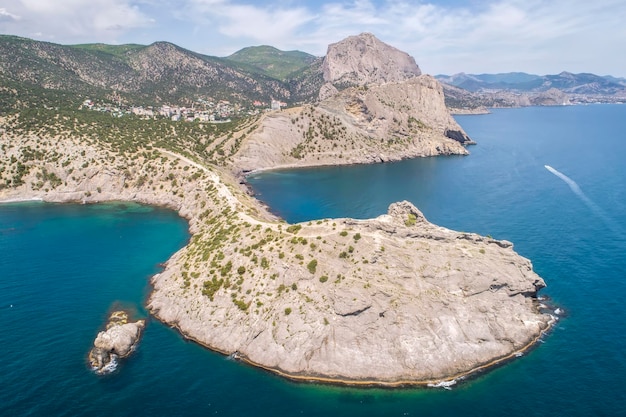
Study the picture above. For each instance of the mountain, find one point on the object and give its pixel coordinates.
(154, 74)
(272, 62)
(476, 92)
(34, 73)
(374, 106)
(363, 59)
(567, 82)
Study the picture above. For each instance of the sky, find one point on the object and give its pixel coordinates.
(444, 37)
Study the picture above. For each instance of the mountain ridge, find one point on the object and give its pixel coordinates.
(51, 74)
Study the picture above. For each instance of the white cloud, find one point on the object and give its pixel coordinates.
(6, 16)
(264, 24)
(494, 35)
(503, 35)
(77, 20)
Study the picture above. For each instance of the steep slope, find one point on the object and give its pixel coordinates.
(166, 71)
(364, 59)
(159, 73)
(374, 106)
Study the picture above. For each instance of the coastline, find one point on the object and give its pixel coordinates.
(239, 172)
(475, 111)
(351, 303)
(338, 381)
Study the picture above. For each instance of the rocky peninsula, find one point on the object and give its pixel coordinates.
(390, 301)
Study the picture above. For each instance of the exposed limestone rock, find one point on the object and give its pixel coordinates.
(328, 90)
(552, 97)
(379, 123)
(375, 107)
(363, 59)
(117, 341)
(393, 300)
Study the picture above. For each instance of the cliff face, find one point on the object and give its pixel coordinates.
(374, 107)
(363, 59)
(379, 123)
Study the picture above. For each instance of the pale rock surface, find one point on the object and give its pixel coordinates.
(384, 122)
(376, 106)
(363, 59)
(117, 341)
(410, 303)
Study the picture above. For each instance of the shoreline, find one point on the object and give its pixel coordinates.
(372, 383)
(242, 173)
(23, 200)
(169, 299)
(334, 381)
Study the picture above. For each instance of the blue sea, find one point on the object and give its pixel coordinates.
(63, 268)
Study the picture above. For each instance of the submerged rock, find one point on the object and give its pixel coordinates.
(117, 341)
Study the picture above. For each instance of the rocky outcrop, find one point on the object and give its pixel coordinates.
(377, 123)
(375, 107)
(552, 97)
(118, 341)
(390, 301)
(363, 59)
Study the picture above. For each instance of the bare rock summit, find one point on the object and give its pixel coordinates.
(364, 59)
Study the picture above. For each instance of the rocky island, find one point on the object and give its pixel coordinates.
(389, 301)
(118, 340)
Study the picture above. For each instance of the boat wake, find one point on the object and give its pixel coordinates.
(588, 202)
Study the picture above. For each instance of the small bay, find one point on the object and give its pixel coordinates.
(63, 267)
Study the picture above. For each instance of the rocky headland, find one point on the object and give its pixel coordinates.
(391, 301)
(375, 106)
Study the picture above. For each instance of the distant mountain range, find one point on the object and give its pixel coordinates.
(567, 82)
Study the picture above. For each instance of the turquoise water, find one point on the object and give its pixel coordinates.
(64, 267)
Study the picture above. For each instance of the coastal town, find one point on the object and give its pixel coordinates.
(202, 110)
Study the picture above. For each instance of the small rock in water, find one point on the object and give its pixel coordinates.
(117, 341)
